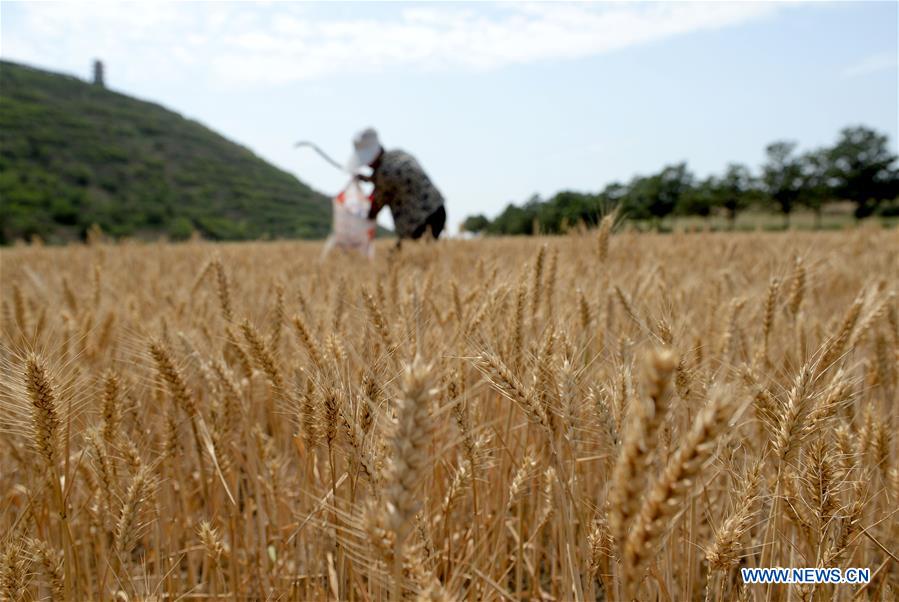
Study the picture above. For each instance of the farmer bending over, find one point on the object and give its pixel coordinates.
(401, 184)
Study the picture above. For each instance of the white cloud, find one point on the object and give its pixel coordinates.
(236, 44)
(872, 64)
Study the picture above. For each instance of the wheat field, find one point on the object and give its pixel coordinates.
(600, 416)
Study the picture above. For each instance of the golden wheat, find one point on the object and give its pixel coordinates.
(600, 416)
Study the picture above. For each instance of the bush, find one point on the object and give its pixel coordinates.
(180, 228)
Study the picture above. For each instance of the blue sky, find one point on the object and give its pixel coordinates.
(498, 101)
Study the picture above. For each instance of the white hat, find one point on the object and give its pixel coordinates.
(366, 148)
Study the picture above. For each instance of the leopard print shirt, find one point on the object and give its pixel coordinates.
(402, 184)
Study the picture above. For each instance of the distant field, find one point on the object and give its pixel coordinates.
(592, 417)
(834, 219)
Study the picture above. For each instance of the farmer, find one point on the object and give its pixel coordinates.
(401, 184)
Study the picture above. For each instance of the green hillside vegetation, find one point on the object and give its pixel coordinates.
(73, 154)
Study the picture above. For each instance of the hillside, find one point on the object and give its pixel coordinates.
(73, 154)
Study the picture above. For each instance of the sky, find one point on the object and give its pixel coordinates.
(497, 101)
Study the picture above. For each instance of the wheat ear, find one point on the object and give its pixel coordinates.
(44, 413)
(629, 473)
(672, 488)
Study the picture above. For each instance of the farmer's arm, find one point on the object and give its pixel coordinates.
(375, 209)
(379, 198)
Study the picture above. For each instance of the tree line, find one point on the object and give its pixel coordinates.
(858, 169)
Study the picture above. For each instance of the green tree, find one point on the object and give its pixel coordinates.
(568, 208)
(637, 197)
(655, 197)
(701, 198)
(858, 168)
(816, 185)
(672, 183)
(734, 191)
(782, 177)
(515, 220)
(180, 228)
(475, 223)
(862, 169)
(612, 196)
